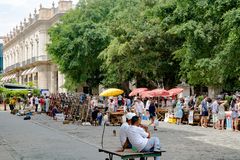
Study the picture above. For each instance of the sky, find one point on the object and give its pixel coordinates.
(12, 12)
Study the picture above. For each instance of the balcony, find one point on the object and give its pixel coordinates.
(41, 58)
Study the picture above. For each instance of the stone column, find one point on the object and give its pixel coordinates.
(31, 49)
(10, 59)
(22, 52)
(61, 81)
(36, 46)
(43, 77)
(54, 79)
(4, 61)
(25, 52)
(42, 42)
(14, 57)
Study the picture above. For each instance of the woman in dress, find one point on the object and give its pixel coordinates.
(234, 109)
(221, 116)
(179, 113)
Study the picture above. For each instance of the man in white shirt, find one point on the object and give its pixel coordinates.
(123, 131)
(140, 139)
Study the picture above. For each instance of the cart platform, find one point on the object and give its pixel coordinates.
(129, 154)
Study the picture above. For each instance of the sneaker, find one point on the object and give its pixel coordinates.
(157, 150)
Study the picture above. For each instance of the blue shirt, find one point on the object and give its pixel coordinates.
(204, 105)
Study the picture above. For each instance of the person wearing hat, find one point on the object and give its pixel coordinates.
(140, 139)
(123, 131)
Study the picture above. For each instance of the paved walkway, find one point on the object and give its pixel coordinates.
(182, 142)
(25, 140)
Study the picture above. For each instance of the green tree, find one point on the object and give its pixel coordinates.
(210, 30)
(140, 49)
(78, 39)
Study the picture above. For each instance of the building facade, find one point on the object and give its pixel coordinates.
(24, 50)
(1, 58)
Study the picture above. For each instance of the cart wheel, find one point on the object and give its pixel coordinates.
(107, 159)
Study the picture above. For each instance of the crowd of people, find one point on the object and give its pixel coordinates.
(145, 108)
(211, 109)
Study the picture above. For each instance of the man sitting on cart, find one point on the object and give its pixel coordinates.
(140, 139)
(123, 131)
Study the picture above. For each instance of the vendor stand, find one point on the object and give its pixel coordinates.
(115, 118)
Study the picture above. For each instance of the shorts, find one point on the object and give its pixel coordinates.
(152, 115)
(205, 113)
(214, 118)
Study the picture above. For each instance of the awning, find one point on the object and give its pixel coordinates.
(34, 70)
(6, 78)
(3, 78)
(23, 73)
(12, 76)
(28, 72)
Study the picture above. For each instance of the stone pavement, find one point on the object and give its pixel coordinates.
(182, 142)
(5, 150)
(25, 140)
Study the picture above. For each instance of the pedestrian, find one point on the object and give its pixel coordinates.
(214, 110)
(47, 103)
(204, 118)
(36, 100)
(139, 108)
(129, 104)
(152, 112)
(94, 116)
(179, 110)
(221, 115)
(99, 117)
(120, 102)
(55, 111)
(111, 105)
(191, 105)
(12, 103)
(234, 109)
(42, 103)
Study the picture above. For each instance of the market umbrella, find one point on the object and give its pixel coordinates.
(148, 94)
(175, 91)
(111, 92)
(160, 93)
(137, 91)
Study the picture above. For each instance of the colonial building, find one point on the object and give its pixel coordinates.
(24, 51)
(1, 57)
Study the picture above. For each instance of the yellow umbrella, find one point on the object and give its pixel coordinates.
(111, 92)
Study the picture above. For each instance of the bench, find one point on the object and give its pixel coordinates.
(129, 154)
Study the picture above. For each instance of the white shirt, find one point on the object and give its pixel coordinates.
(139, 107)
(148, 104)
(137, 137)
(123, 133)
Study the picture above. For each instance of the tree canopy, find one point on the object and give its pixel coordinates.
(152, 41)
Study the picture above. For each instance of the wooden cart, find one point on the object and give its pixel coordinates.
(129, 154)
(115, 118)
